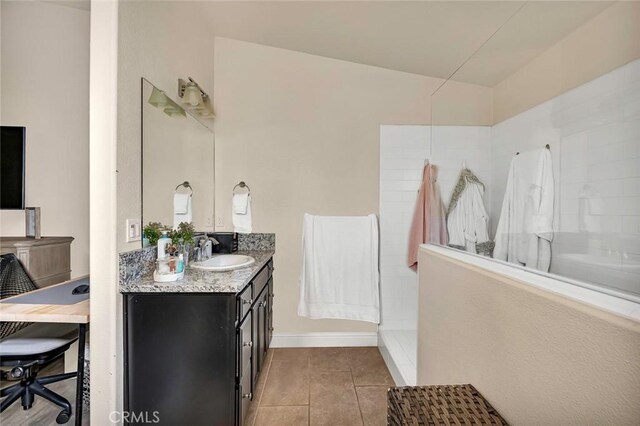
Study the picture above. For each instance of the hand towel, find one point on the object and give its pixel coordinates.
(340, 277)
(525, 228)
(242, 222)
(180, 203)
(182, 209)
(240, 203)
(428, 224)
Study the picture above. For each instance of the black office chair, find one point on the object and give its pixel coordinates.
(25, 348)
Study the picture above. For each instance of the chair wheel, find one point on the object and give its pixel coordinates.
(63, 417)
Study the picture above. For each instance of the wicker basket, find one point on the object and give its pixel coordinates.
(440, 405)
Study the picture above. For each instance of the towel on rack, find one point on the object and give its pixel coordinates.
(240, 203)
(242, 222)
(340, 276)
(182, 209)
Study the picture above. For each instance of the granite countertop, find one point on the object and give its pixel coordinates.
(198, 281)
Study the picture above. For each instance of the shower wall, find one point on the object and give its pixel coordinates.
(594, 134)
(403, 150)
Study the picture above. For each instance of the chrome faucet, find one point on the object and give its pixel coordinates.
(204, 248)
(208, 248)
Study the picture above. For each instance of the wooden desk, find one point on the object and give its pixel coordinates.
(46, 311)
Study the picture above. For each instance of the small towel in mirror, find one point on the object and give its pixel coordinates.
(240, 203)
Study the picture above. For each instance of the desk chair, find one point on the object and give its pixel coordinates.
(30, 348)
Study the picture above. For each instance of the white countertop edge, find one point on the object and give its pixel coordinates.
(610, 303)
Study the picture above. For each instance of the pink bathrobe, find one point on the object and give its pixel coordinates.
(429, 221)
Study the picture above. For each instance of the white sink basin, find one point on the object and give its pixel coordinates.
(224, 262)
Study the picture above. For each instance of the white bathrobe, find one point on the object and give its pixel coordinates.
(525, 229)
(467, 222)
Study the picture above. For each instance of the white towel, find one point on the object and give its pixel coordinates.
(182, 209)
(240, 203)
(340, 277)
(242, 221)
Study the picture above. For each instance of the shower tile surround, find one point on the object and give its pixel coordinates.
(138, 264)
(403, 150)
(594, 135)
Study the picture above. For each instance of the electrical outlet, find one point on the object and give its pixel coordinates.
(219, 221)
(134, 230)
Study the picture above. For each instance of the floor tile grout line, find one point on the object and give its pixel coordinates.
(355, 390)
(266, 378)
(309, 390)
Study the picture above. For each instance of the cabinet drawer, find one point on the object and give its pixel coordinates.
(261, 280)
(245, 300)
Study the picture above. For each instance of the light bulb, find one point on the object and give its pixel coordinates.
(191, 95)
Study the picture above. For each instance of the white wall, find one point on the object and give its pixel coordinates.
(106, 302)
(594, 134)
(539, 358)
(302, 131)
(403, 150)
(45, 87)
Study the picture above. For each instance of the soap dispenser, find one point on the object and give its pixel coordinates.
(163, 242)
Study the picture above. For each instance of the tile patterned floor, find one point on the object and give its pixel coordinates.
(322, 386)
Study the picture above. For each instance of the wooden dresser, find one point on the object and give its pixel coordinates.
(48, 259)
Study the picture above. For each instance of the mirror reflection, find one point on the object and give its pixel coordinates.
(177, 163)
(546, 181)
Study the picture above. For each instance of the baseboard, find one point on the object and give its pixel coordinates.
(316, 340)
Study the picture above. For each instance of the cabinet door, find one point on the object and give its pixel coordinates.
(255, 350)
(176, 346)
(269, 313)
(262, 327)
(245, 362)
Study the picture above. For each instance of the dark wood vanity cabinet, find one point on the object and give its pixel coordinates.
(195, 358)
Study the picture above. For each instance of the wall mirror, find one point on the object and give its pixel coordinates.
(176, 148)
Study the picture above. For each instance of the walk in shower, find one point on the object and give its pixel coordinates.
(515, 100)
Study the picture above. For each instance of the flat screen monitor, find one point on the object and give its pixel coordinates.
(12, 159)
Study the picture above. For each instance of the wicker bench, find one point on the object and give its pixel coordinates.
(439, 405)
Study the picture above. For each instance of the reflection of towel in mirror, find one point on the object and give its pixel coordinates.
(240, 203)
(525, 229)
(339, 277)
(242, 222)
(182, 209)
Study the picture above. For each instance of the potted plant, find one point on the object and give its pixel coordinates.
(182, 236)
(152, 233)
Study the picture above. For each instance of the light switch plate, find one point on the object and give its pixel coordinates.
(134, 230)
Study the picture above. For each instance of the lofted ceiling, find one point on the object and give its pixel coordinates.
(76, 4)
(431, 38)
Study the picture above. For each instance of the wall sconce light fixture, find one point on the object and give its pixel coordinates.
(160, 100)
(194, 98)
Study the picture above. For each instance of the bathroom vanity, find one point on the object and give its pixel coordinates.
(194, 349)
